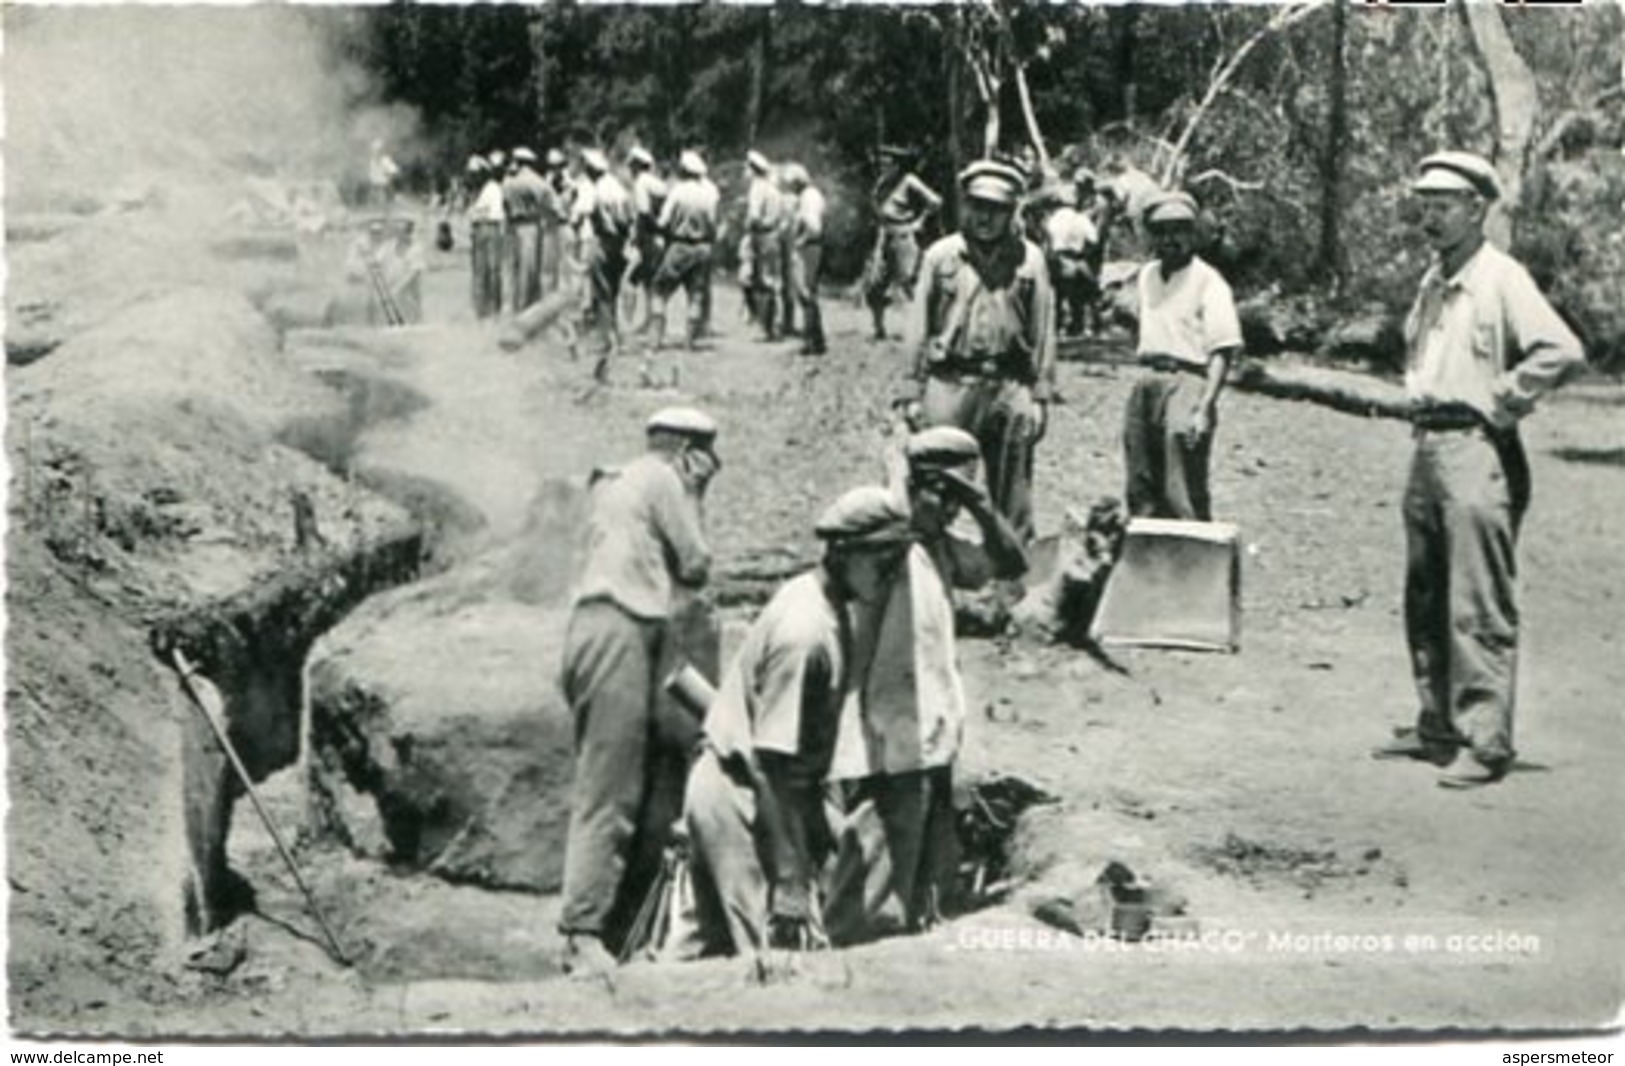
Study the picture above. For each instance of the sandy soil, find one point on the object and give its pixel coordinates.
(1242, 781)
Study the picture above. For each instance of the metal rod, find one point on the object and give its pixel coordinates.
(185, 670)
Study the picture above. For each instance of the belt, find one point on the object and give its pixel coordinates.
(1164, 364)
(1447, 418)
(989, 367)
(525, 220)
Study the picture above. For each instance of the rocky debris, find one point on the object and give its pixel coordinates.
(1272, 322)
(1118, 903)
(1069, 574)
(987, 810)
(1309, 869)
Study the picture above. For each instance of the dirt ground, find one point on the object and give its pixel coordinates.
(1242, 781)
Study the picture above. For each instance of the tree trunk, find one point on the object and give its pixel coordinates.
(1331, 164)
(758, 75)
(1122, 18)
(956, 123)
(1512, 88)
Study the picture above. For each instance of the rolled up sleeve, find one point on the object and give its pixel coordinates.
(1543, 351)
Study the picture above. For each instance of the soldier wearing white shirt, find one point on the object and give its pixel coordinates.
(1482, 345)
(1188, 328)
(806, 235)
(485, 223)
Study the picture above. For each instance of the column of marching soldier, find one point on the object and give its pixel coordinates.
(818, 802)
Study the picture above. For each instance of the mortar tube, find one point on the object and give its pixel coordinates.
(690, 688)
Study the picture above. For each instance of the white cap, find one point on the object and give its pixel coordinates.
(594, 159)
(640, 156)
(524, 155)
(691, 163)
(757, 162)
(689, 421)
(869, 516)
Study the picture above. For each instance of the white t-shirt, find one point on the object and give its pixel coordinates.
(1188, 316)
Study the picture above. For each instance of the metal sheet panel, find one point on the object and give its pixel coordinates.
(1176, 585)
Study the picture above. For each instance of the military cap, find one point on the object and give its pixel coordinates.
(1170, 206)
(640, 157)
(1457, 172)
(477, 164)
(555, 158)
(757, 162)
(594, 159)
(870, 516)
(523, 155)
(497, 158)
(794, 174)
(691, 163)
(941, 446)
(988, 179)
(688, 421)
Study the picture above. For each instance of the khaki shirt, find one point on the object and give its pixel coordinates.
(690, 212)
(1006, 316)
(1486, 338)
(643, 533)
(764, 207)
(782, 691)
(1189, 316)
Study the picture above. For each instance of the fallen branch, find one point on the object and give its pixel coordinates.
(1341, 390)
(1215, 174)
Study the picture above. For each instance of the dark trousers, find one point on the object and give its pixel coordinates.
(1167, 470)
(895, 857)
(808, 268)
(486, 249)
(1464, 501)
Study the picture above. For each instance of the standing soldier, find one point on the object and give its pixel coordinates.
(648, 196)
(715, 196)
(523, 196)
(1482, 345)
(1188, 325)
(806, 266)
(763, 219)
(610, 218)
(787, 253)
(984, 355)
(1070, 239)
(688, 222)
(485, 219)
(555, 219)
(644, 537)
(903, 203)
(381, 174)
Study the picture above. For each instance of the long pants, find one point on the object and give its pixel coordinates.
(1167, 471)
(552, 257)
(731, 885)
(1000, 414)
(761, 277)
(526, 271)
(1463, 504)
(807, 270)
(896, 264)
(685, 265)
(606, 263)
(1074, 293)
(485, 248)
(787, 292)
(895, 857)
(610, 663)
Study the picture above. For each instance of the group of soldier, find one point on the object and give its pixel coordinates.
(817, 806)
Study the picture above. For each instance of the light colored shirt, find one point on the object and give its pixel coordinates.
(957, 316)
(809, 215)
(488, 204)
(1070, 231)
(382, 169)
(1189, 316)
(690, 212)
(647, 192)
(612, 211)
(524, 195)
(907, 202)
(643, 533)
(904, 709)
(1487, 338)
(782, 691)
(763, 206)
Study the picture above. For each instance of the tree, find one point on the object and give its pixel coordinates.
(1517, 107)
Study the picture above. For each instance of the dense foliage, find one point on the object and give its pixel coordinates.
(1309, 199)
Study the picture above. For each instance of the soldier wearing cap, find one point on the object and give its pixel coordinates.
(806, 230)
(644, 543)
(1188, 329)
(486, 219)
(762, 258)
(370, 265)
(755, 801)
(610, 218)
(903, 205)
(984, 338)
(904, 711)
(1482, 346)
(688, 225)
(648, 197)
(1070, 241)
(524, 199)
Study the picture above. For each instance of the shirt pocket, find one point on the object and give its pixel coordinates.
(1486, 342)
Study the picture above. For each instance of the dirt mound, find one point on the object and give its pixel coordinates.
(1310, 869)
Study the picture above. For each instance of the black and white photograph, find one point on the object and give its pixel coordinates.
(713, 521)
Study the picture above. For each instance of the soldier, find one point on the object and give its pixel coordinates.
(406, 280)
(485, 221)
(610, 218)
(555, 220)
(984, 353)
(715, 196)
(523, 196)
(1482, 345)
(755, 797)
(644, 537)
(1070, 240)
(905, 706)
(648, 195)
(903, 204)
(806, 266)
(688, 222)
(1188, 325)
(787, 253)
(763, 255)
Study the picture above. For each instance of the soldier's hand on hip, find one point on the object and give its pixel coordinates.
(1040, 420)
